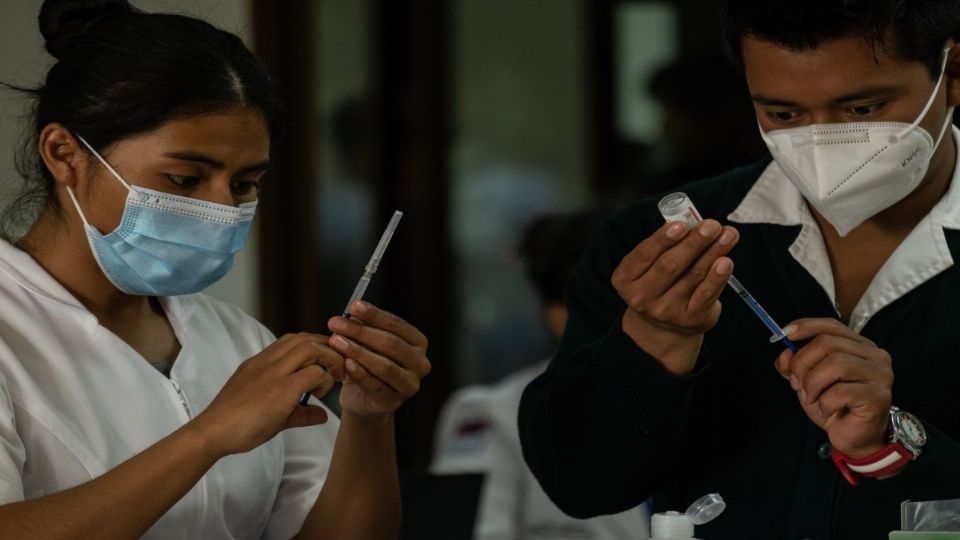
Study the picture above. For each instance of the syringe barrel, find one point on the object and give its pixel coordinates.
(358, 292)
(736, 285)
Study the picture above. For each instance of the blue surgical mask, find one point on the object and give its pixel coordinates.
(167, 245)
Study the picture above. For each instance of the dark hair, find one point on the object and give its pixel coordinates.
(121, 72)
(908, 30)
(551, 246)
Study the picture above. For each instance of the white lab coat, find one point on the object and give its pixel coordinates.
(76, 401)
(477, 432)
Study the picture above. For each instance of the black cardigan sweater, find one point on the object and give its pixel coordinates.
(605, 427)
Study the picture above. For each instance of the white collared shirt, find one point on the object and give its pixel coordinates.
(922, 255)
(76, 401)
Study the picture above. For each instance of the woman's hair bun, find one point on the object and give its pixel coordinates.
(63, 20)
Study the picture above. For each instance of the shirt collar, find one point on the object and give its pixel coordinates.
(946, 213)
(26, 272)
(773, 199)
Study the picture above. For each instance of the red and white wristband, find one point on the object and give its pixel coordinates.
(887, 461)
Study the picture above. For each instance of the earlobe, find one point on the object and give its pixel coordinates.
(60, 153)
(953, 81)
(953, 75)
(953, 92)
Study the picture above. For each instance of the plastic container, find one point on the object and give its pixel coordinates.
(678, 207)
(677, 526)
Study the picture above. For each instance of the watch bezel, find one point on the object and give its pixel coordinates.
(899, 434)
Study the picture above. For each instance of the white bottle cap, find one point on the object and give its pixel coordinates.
(705, 509)
(672, 525)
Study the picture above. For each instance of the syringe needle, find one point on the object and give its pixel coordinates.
(374, 262)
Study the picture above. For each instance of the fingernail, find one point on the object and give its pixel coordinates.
(675, 231)
(723, 266)
(338, 325)
(709, 228)
(339, 343)
(351, 365)
(794, 383)
(360, 307)
(790, 330)
(726, 238)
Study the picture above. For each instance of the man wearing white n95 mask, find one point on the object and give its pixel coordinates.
(850, 231)
(852, 171)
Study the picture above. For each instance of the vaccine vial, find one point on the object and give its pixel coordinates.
(678, 207)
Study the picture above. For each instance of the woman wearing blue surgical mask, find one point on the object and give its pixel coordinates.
(130, 405)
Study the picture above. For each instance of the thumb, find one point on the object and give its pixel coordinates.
(783, 363)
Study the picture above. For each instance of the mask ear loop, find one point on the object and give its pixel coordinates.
(76, 205)
(73, 196)
(105, 164)
(926, 109)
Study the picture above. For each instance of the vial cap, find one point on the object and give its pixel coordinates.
(678, 207)
(673, 202)
(706, 508)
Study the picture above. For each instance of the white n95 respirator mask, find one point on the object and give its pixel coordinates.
(852, 171)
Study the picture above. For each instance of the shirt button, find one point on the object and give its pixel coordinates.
(825, 451)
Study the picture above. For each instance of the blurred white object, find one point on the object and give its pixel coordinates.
(677, 526)
(477, 432)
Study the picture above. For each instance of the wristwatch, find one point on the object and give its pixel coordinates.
(906, 429)
(907, 437)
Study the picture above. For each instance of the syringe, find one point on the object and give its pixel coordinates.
(374, 262)
(679, 207)
(368, 272)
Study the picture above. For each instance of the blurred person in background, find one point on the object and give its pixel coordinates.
(345, 210)
(346, 202)
(707, 127)
(477, 431)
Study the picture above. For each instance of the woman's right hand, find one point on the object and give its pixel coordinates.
(671, 283)
(262, 396)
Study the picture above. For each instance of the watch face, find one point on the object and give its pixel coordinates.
(911, 429)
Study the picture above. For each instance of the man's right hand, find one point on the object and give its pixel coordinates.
(671, 283)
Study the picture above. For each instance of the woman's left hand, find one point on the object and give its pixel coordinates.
(386, 360)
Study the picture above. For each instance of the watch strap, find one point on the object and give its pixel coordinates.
(885, 462)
